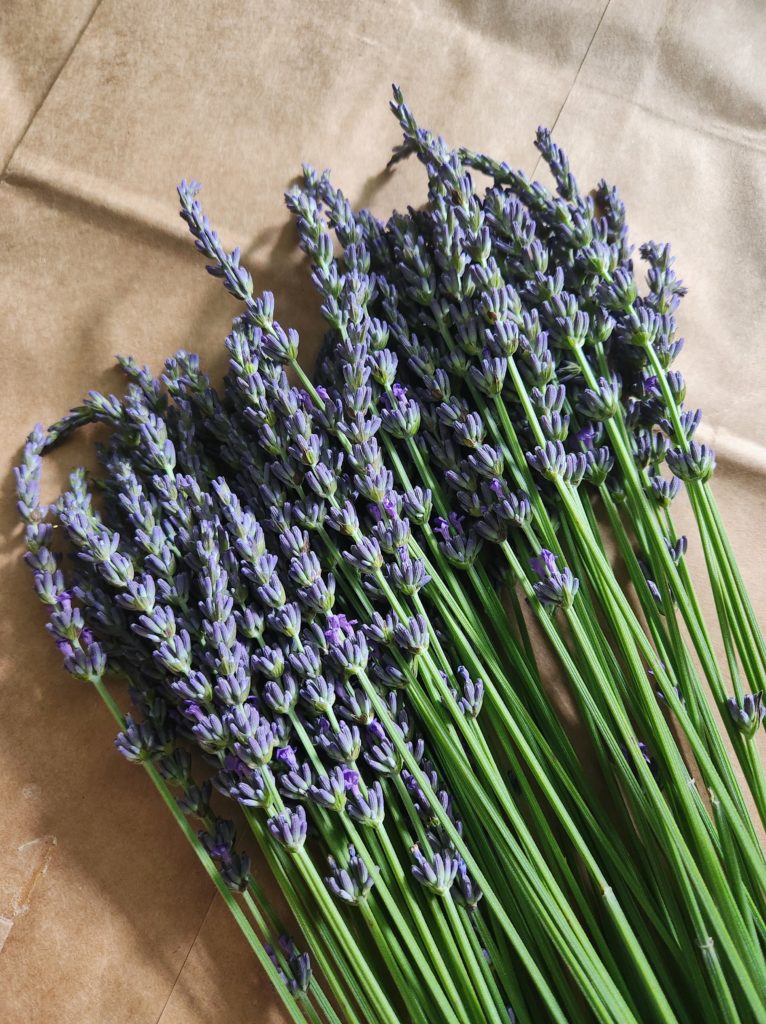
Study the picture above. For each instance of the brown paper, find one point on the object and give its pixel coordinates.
(104, 914)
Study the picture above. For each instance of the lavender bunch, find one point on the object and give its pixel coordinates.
(323, 592)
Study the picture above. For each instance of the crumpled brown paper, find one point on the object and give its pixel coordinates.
(105, 916)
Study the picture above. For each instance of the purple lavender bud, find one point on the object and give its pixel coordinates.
(175, 654)
(269, 661)
(402, 417)
(220, 843)
(87, 663)
(67, 621)
(381, 628)
(436, 874)
(549, 399)
(211, 731)
(601, 403)
(677, 385)
(350, 657)
(272, 593)
(367, 809)
(234, 688)
(289, 828)
(365, 555)
(407, 575)
(352, 883)
(589, 436)
(389, 673)
(569, 332)
(262, 569)
(318, 695)
(620, 293)
(664, 491)
(286, 757)
(138, 742)
(465, 891)
(514, 509)
(555, 426)
(470, 430)
(342, 743)
(487, 461)
(383, 365)
(374, 485)
(555, 588)
(344, 519)
(503, 338)
(392, 532)
(367, 455)
(599, 464)
(299, 978)
(329, 791)
(550, 461)
(280, 346)
(319, 598)
(381, 754)
(304, 566)
(250, 623)
(296, 783)
(459, 546)
(236, 871)
(175, 767)
(286, 621)
(196, 799)
(139, 595)
(747, 714)
(49, 587)
(412, 635)
(470, 699)
(281, 697)
(354, 705)
(678, 549)
(489, 375)
(645, 326)
(649, 446)
(250, 791)
(455, 412)
(339, 628)
(415, 745)
(306, 663)
(310, 514)
(257, 748)
(696, 464)
(417, 505)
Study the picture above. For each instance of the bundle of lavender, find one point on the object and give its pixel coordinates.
(329, 601)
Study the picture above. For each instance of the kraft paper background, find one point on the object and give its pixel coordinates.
(105, 916)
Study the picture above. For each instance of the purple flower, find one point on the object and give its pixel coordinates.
(339, 628)
(545, 564)
(352, 883)
(289, 828)
(286, 756)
